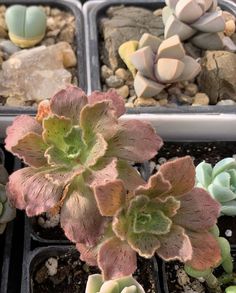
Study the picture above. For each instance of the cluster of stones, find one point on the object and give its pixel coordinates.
(60, 29)
(216, 66)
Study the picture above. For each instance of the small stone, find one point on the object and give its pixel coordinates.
(226, 103)
(122, 73)
(228, 233)
(52, 265)
(163, 102)
(184, 99)
(229, 28)
(51, 23)
(15, 102)
(69, 58)
(201, 99)
(123, 91)
(8, 47)
(174, 90)
(131, 99)
(48, 42)
(228, 16)
(41, 275)
(158, 12)
(106, 72)
(53, 33)
(114, 81)
(55, 11)
(129, 105)
(162, 95)
(67, 34)
(146, 102)
(191, 89)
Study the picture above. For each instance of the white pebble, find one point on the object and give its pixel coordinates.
(52, 265)
(228, 233)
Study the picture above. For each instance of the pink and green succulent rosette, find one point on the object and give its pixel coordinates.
(75, 143)
(167, 216)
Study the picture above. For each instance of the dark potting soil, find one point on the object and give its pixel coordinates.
(72, 275)
(179, 282)
(211, 152)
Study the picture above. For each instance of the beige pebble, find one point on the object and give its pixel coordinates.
(15, 102)
(123, 91)
(158, 12)
(106, 72)
(163, 102)
(122, 73)
(191, 89)
(201, 99)
(129, 105)
(185, 99)
(69, 58)
(146, 102)
(229, 28)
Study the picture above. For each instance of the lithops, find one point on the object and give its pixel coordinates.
(200, 20)
(160, 63)
(26, 25)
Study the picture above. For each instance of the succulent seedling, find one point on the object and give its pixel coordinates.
(26, 25)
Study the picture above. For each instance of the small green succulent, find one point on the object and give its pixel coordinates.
(230, 289)
(220, 182)
(128, 284)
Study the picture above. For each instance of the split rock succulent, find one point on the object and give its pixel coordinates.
(220, 182)
(167, 216)
(74, 143)
(128, 284)
(7, 212)
(160, 63)
(200, 20)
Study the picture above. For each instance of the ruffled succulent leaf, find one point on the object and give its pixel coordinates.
(134, 141)
(68, 103)
(124, 258)
(116, 101)
(204, 174)
(80, 217)
(44, 110)
(88, 253)
(198, 210)
(181, 175)
(110, 197)
(206, 254)
(223, 165)
(182, 248)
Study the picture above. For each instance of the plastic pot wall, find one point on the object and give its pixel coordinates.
(93, 12)
(74, 7)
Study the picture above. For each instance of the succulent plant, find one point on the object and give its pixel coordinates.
(128, 284)
(230, 289)
(75, 143)
(159, 63)
(226, 262)
(26, 25)
(167, 216)
(7, 212)
(220, 182)
(200, 20)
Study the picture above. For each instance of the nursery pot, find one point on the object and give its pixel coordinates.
(94, 11)
(39, 256)
(74, 7)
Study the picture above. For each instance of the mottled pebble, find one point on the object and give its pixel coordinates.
(228, 233)
(191, 89)
(123, 91)
(187, 100)
(163, 102)
(201, 99)
(114, 81)
(122, 73)
(146, 102)
(106, 72)
(229, 28)
(8, 47)
(174, 90)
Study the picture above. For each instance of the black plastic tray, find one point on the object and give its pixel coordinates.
(97, 11)
(72, 6)
(39, 254)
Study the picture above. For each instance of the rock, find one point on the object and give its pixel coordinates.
(67, 34)
(106, 72)
(201, 99)
(114, 82)
(158, 12)
(163, 102)
(15, 102)
(146, 102)
(129, 105)
(27, 73)
(48, 42)
(124, 24)
(162, 95)
(218, 76)
(122, 73)
(191, 89)
(53, 33)
(55, 11)
(229, 28)
(184, 99)
(226, 103)
(69, 58)
(174, 90)
(123, 91)
(228, 16)
(8, 47)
